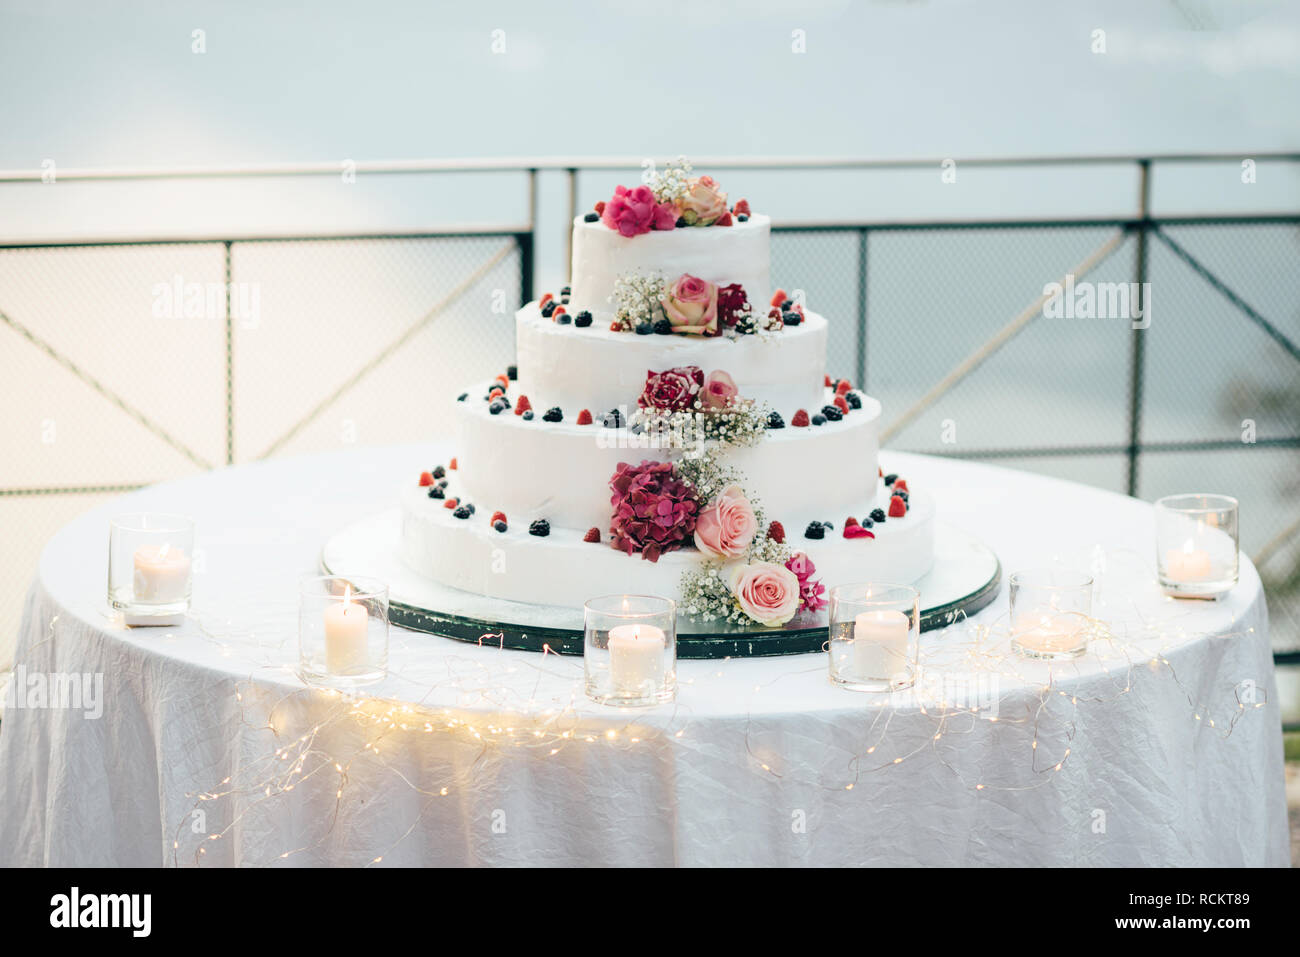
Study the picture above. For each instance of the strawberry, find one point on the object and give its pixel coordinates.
(495, 391)
(523, 405)
(600, 208)
(593, 535)
(828, 382)
(843, 386)
(776, 532)
(584, 417)
(559, 311)
(741, 208)
(800, 419)
(504, 380)
(452, 464)
(497, 517)
(615, 327)
(779, 297)
(451, 503)
(842, 404)
(541, 303)
(897, 507)
(723, 220)
(426, 478)
(900, 485)
(857, 531)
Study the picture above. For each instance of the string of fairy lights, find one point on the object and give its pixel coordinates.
(322, 740)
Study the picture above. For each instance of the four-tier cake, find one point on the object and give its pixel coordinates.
(669, 428)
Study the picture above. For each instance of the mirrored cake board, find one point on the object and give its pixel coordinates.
(965, 578)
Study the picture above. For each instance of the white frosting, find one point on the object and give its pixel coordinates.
(720, 254)
(596, 369)
(560, 471)
(561, 569)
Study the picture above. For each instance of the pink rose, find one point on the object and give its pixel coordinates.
(703, 203)
(727, 525)
(719, 390)
(766, 592)
(691, 305)
(631, 211)
(672, 390)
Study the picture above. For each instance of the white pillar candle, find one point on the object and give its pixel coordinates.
(880, 644)
(1048, 632)
(1187, 564)
(346, 631)
(162, 574)
(636, 659)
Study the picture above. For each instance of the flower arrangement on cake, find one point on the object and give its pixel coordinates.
(668, 199)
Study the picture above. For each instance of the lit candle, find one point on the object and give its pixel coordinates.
(636, 658)
(162, 574)
(880, 643)
(346, 631)
(1048, 632)
(1188, 564)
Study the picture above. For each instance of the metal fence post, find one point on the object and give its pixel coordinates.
(862, 309)
(230, 365)
(1137, 354)
(528, 244)
(568, 226)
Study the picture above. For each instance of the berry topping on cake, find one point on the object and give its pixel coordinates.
(582, 320)
(612, 419)
(439, 471)
(742, 218)
(591, 218)
(600, 208)
(553, 415)
(500, 526)
(897, 507)
(815, 530)
(563, 318)
(900, 485)
(800, 419)
(891, 478)
(548, 310)
(593, 535)
(462, 512)
(850, 521)
(451, 503)
(528, 416)
(776, 532)
(854, 400)
(426, 478)
(452, 464)
(523, 405)
(663, 327)
(843, 386)
(828, 383)
(503, 380)
(462, 397)
(644, 328)
(497, 516)
(615, 326)
(497, 407)
(778, 297)
(832, 413)
(541, 528)
(741, 208)
(584, 417)
(774, 420)
(877, 514)
(437, 492)
(867, 523)
(546, 297)
(842, 404)
(723, 220)
(857, 531)
(820, 419)
(791, 318)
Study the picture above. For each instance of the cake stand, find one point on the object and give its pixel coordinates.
(966, 576)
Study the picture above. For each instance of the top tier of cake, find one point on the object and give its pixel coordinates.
(739, 253)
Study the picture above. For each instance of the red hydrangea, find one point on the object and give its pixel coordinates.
(732, 303)
(671, 390)
(654, 510)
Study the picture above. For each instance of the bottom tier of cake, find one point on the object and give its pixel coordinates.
(563, 569)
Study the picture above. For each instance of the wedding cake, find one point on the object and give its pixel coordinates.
(669, 429)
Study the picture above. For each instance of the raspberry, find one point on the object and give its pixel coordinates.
(779, 297)
(452, 464)
(523, 405)
(593, 535)
(776, 532)
(504, 380)
(842, 404)
(843, 386)
(497, 517)
(800, 419)
(495, 391)
(600, 208)
(723, 220)
(741, 208)
(850, 521)
(897, 507)
(900, 485)
(541, 303)
(828, 382)
(584, 417)
(451, 503)
(559, 311)
(426, 478)
(615, 327)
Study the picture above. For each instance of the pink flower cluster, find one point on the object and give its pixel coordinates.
(654, 510)
(810, 592)
(635, 211)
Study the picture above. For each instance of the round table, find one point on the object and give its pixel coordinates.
(1161, 746)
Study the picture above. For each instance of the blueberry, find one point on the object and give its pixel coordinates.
(438, 471)
(681, 222)
(553, 415)
(512, 373)
(592, 217)
(541, 528)
(791, 318)
(742, 218)
(853, 399)
(644, 328)
(819, 419)
(499, 525)
(582, 320)
(832, 413)
(891, 478)
(496, 407)
(437, 492)
(462, 397)
(774, 420)
(877, 514)
(528, 415)
(462, 512)
(867, 523)
(548, 309)
(814, 530)
(663, 327)
(563, 318)
(470, 506)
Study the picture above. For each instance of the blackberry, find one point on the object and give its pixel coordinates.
(528, 415)
(592, 217)
(853, 399)
(891, 478)
(774, 420)
(496, 407)
(819, 419)
(787, 305)
(462, 512)
(541, 528)
(832, 413)
(566, 290)
(549, 309)
(564, 318)
(814, 530)
(512, 373)
(663, 327)
(462, 397)
(877, 514)
(582, 320)
(791, 318)
(437, 492)
(553, 415)
(499, 526)
(644, 328)
(438, 472)
(470, 506)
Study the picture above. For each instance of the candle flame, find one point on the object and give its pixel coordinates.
(1188, 547)
(347, 597)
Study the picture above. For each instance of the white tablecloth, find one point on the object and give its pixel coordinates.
(1162, 746)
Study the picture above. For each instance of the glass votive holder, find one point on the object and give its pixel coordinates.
(342, 630)
(1196, 545)
(875, 634)
(150, 567)
(629, 650)
(1051, 613)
